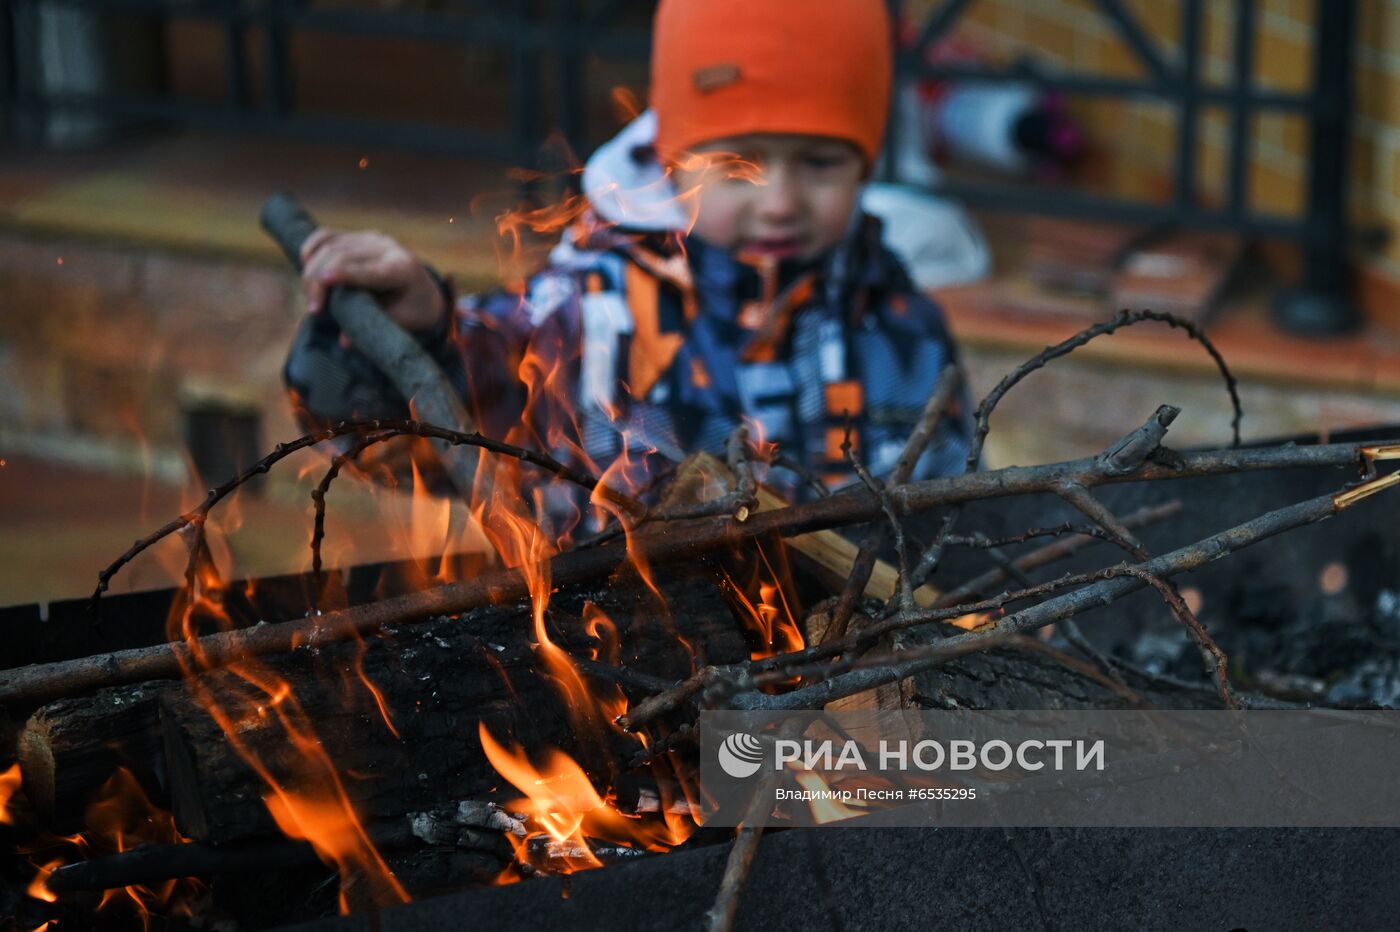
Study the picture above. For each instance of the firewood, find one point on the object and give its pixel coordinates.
(71, 747)
(701, 477)
(438, 680)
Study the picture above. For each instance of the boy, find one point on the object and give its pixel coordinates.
(722, 271)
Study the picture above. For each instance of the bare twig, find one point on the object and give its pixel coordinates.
(814, 661)
(783, 461)
(1107, 678)
(1068, 626)
(1117, 583)
(980, 541)
(318, 501)
(382, 429)
(1050, 553)
(739, 502)
(720, 917)
(1122, 319)
(1214, 656)
(905, 592)
(933, 555)
(1081, 498)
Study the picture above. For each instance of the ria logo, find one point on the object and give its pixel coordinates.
(740, 755)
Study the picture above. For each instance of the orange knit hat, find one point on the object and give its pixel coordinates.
(723, 68)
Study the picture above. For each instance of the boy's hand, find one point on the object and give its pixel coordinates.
(375, 262)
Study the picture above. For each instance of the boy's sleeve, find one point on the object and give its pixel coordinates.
(518, 354)
(480, 347)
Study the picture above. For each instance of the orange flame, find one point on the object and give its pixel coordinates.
(119, 818)
(318, 811)
(10, 782)
(38, 887)
(973, 621)
(772, 619)
(562, 803)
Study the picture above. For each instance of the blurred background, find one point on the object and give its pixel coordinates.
(1234, 161)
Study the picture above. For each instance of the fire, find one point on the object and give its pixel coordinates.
(10, 782)
(563, 805)
(973, 621)
(318, 811)
(771, 619)
(526, 519)
(330, 824)
(120, 817)
(38, 887)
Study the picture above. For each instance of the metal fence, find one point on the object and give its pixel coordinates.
(547, 44)
(1320, 303)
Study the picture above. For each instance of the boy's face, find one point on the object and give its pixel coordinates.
(791, 198)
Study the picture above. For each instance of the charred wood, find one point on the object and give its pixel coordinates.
(438, 681)
(69, 748)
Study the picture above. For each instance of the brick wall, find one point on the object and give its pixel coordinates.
(103, 345)
(1135, 140)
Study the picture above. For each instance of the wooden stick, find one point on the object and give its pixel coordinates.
(415, 374)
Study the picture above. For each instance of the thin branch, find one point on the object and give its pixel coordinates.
(905, 591)
(739, 502)
(783, 461)
(1117, 583)
(1209, 649)
(318, 501)
(720, 917)
(1124, 318)
(933, 555)
(980, 541)
(1050, 553)
(781, 669)
(1096, 511)
(385, 428)
(1070, 628)
(1107, 678)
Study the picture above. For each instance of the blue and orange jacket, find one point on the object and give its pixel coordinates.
(657, 344)
(663, 351)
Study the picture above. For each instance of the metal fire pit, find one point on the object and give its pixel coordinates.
(850, 879)
(1024, 878)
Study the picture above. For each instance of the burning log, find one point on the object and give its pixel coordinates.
(69, 748)
(412, 742)
(435, 681)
